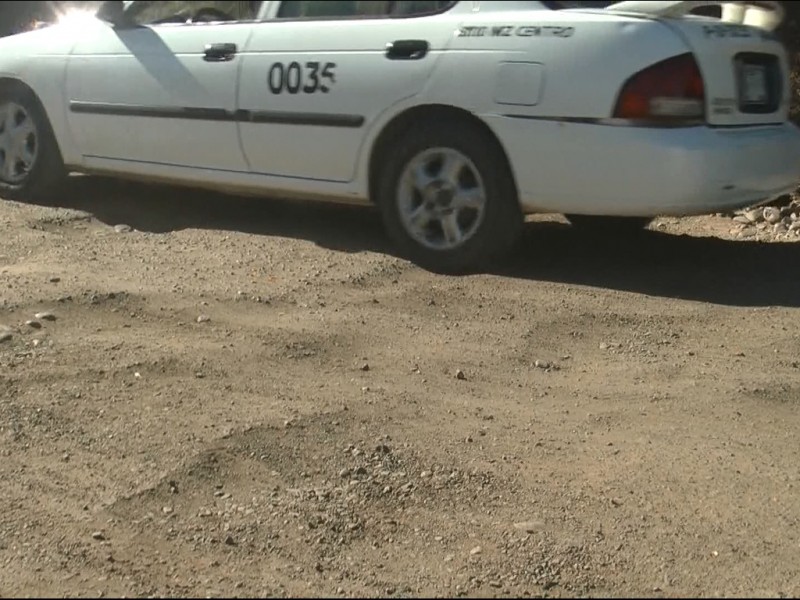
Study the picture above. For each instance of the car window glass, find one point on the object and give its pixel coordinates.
(200, 11)
(321, 9)
(419, 7)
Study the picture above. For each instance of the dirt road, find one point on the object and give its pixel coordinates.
(257, 398)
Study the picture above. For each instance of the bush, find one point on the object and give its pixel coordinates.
(790, 34)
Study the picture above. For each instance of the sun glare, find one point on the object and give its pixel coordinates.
(75, 17)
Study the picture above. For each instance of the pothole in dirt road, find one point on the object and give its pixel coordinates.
(51, 219)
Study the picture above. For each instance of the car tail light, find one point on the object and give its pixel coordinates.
(670, 92)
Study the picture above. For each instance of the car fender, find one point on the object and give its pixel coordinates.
(38, 60)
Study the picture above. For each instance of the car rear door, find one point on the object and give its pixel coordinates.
(161, 91)
(317, 73)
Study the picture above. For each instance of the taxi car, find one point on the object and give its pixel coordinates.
(455, 119)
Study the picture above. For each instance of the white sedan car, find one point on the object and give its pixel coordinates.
(454, 118)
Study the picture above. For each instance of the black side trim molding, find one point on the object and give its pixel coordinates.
(611, 122)
(163, 112)
(217, 114)
(291, 118)
(558, 119)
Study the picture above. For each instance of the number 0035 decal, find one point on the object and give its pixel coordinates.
(293, 78)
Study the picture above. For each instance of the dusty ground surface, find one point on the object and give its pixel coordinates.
(340, 422)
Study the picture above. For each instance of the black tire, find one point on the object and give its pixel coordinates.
(493, 236)
(609, 225)
(46, 173)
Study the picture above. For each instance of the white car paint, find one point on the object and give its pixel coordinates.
(565, 151)
(163, 69)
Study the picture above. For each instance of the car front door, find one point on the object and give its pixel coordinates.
(161, 89)
(317, 73)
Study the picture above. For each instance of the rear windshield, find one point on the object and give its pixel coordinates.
(706, 11)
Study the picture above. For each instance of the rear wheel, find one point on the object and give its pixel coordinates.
(30, 162)
(448, 199)
(609, 225)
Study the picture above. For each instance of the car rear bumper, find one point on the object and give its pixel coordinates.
(592, 168)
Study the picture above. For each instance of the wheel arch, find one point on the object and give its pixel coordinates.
(14, 83)
(403, 121)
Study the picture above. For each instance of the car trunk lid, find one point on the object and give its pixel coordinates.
(742, 61)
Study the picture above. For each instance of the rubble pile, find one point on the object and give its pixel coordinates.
(780, 221)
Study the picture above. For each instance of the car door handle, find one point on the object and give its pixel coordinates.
(407, 49)
(219, 52)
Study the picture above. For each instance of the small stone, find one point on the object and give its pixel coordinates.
(425, 474)
(603, 346)
(754, 215)
(771, 214)
(460, 375)
(741, 219)
(122, 228)
(203, 319)
(541, 364)
(54, 279)
(167, 510)
(344, 473)
(449, 558)
(529, 526)
(45, 316)
(795, 225)
(475, 551)
(33, 324)
(99, 536)
(230, 541)
(5, 335)
(365, 367)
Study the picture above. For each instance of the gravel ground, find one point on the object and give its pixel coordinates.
(204, 395)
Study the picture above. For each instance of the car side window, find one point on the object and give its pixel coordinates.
(187, 13)
(328, 9)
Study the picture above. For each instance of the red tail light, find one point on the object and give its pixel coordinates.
(670, 92)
